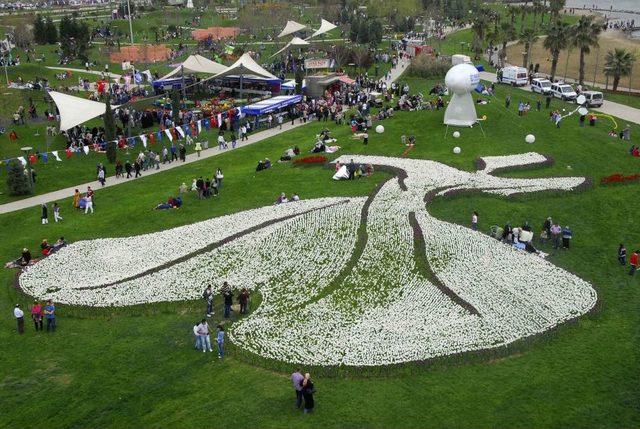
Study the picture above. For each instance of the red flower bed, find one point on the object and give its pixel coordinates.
(619, 178)
(310, 160)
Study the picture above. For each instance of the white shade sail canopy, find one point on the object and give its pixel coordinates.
(296, 41)
(245, 66)
(291, 28)
(325, 27)
(197, 64)
(76, 110)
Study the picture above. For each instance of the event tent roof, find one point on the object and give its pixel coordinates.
(245, 66)
(325, 26)
(296, 41)
(291, 28)
(271, 104)
(76, 110)
(197, 64)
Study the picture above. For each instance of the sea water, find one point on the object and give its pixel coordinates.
(627, 5)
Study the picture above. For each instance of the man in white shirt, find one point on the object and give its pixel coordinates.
(19, 315)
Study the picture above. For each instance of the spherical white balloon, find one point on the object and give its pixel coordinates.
(380, 129)
(456, 134)
(462, 78)
(456, 150)
(530, 138)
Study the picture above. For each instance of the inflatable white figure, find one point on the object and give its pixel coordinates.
(461, 80)
(344, 281)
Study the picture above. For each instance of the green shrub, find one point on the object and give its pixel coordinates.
(425, 66)
(17, 181)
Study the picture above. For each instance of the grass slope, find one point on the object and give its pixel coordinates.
(135, 366)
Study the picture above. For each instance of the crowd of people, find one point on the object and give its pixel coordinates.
(522, 237)
(39, 312)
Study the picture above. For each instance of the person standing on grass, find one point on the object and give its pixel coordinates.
(36, 315)
(243, 298)
(365, 137)
(19, 315)
(220, 341)
(633, 262)
(45, 214)
(622, 254)
(205, 339)
(88, 204)
(219, 176)
(507, 101)
(567, 235)
(207, 295)
(308, 389)
(56, 212)
(76, 199)
(198, 345)
(227, 298)
(50, 315)
(474, 221)
(556, 232)
(538, 104)
(297, 378)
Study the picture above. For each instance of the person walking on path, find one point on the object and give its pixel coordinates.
(474, 221)
(633, 262)
(76, 199)
(622, 255)
(36, 315)
(137, 167)
(297, 378)
(50, 315)
(198, 148)
(128, 168)
(56, 212)
(205, 339)
(19, 315)
(220, 341)
(45, 214)
(183, 153)
(308, 389)
(101, 177)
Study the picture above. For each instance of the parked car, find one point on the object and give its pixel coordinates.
(563, 91)
(541, 85)
(594, 98)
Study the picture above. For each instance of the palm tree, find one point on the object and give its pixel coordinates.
(480, 26)
(556, 41)
(528, 37)
(585, 36)
(507, 33)
(555, 6)
(618, 63)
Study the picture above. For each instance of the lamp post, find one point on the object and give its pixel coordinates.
(26, 150)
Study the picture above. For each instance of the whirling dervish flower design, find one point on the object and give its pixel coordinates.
(344, 281)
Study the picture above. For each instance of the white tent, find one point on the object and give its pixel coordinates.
(325, 26)
(291, 28)
(197, 64)
(296, 41)
(76, 110)
(245, 66)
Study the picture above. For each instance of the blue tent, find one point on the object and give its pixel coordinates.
(271, 104)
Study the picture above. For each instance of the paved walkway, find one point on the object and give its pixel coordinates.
(622, 111)
(207, 153)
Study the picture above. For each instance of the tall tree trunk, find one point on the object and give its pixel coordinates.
(525, 61)
(581, 77)
(554, 64)
(616, 81)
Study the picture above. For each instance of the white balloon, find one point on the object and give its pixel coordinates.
(380, 129)
(583, 111)
(456, 150)
(456, 134)
(530, 138)
(581, 99)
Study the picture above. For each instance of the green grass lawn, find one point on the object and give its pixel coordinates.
(135, 367)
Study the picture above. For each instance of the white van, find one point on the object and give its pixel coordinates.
(541, 86)
(594, 98)
(516, 76)
(563, 91)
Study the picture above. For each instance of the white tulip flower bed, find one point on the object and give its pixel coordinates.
(323, 306)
